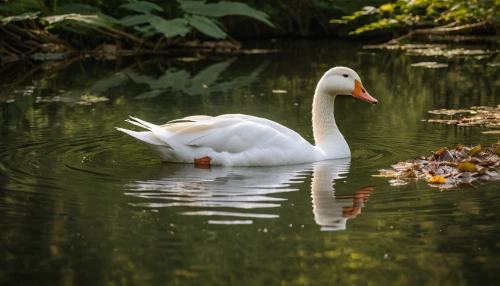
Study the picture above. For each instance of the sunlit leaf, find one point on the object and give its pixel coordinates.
(466, 167)
(224, 8)
(338, 21)
(389, 7)
(94, 20)
(475, 150)
(25, 16)
(437, 180)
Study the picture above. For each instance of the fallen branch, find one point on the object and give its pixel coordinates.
(429, 31)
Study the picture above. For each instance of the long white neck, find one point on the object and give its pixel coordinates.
(326, 133)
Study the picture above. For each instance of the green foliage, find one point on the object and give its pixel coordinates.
(207, 26)
(147, 19)
(422, 13)
(222, 9)
(197, 14)
(169, 28)
(76, 8)
(141, 6)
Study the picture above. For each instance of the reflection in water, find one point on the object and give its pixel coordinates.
(331, 212)
(250, 190)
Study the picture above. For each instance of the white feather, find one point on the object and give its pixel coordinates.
(245, 140)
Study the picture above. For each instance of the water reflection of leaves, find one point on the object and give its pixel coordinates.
(244, 189)
(202, 83)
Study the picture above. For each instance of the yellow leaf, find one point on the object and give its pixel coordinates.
(466, 167)
(475, 150)
(437, 180)
(389, 7)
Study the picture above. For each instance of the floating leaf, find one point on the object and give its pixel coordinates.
(466, 167)
(409, 174)
(437, 180)
(455, 165)
(475, 150)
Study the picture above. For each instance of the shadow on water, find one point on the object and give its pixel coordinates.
(241, 189)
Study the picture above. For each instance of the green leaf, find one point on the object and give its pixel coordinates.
(141, 6)
(207, 26)
(79, 8)
(146, 31)
(224, 8)
(134, 20)
(170, 28)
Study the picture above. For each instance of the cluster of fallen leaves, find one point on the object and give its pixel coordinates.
(459, 167)
(476, 115)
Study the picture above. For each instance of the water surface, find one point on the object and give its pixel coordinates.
(83, 204)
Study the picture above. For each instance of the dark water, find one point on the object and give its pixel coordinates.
(82, 204)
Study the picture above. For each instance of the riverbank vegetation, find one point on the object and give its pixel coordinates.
(122, 27)
(474, 20)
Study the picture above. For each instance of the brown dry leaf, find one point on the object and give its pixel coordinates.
(486, 163)
(437, 180)
(440, 152)
(409, 174)
(389, 175)
(466, 167)
(482, 171)
(459, 147)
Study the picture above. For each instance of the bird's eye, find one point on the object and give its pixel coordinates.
(345, 75)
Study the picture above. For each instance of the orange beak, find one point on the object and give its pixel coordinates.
(361, 93)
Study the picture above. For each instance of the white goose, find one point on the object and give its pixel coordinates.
(244, 140)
